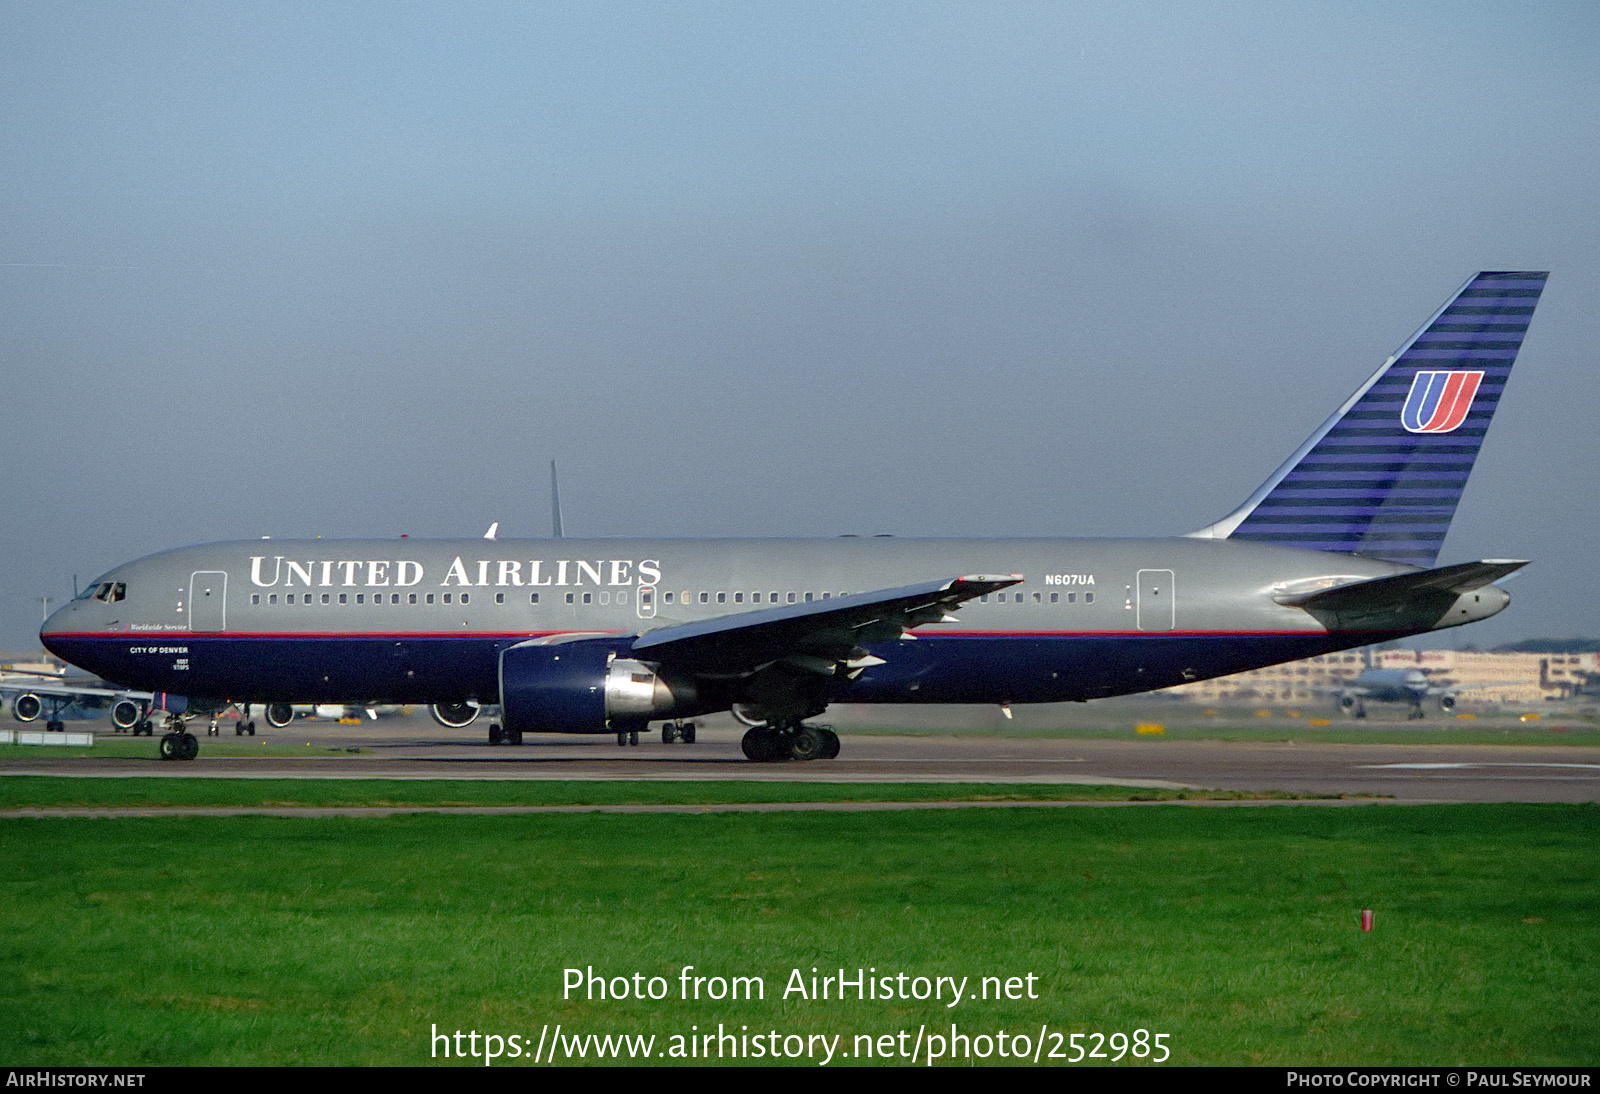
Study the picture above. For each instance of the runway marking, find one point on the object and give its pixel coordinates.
(1453, 766)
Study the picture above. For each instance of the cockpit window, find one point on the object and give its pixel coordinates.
(108, 591)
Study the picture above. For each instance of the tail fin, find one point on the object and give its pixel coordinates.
(1383, 475)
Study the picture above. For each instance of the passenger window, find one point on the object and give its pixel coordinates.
(588, 598)
(667, 597)
(394, 598)
(1037, 599)
(808, 598)
(738, 598)
(533, 598)
(499, 598)
(705, 597)
(430, 598)
(411, 598)
(984, 599)
(447, 597)
(791, 598)
(605, 598)
(1088, 598)
(569, 598)
(361, 598)
(1055, 598)
(722, 598)
(1072, 598)
(344, 598)
(622, 596)
(463, 598)
(755, 598)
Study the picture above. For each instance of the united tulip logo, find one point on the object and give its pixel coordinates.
(1438, 401)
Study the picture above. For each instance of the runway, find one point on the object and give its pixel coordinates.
(414, 748)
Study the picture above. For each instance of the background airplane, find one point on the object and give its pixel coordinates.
(35, 693)
(1399, 686)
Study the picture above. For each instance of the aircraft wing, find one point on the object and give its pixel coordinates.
(821, 636)
(1400, 599)
(62, 692)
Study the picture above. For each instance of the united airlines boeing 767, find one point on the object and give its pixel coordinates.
(1337, 549)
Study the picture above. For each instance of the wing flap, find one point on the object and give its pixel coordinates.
(822, 636)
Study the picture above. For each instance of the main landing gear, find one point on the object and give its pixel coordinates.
(773, 743)
(499, 736)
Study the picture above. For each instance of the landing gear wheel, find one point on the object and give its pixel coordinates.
(55, 725)
(830, 747)
(669, 733)
(686, 733)
(145, 727)
(622, 737)
(188, 746)
(250, 727)
(633, 736)
(764, 745)
(512, 736)
(807, 743)
(170, 747)
(496, 736)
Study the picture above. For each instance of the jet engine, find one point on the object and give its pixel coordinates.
(125, 714)
(1447, 702)
(279, 714)
(584, 687)
(26, 707)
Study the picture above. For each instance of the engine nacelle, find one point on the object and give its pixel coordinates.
(125, 713)
(279, 714)
(26, 707)
(1447, 702)
(583, 687)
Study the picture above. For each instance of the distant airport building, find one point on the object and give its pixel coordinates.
(1514, 678)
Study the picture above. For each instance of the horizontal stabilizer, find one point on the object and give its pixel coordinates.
(1401, 599)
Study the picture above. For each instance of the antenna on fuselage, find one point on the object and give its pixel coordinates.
(555, 503)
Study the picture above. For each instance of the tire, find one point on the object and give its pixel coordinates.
(807, 743)
(495, 735)
(169, 748)
(189, 746)
(687, 733)
(831, 749)
(668, 733)
(455, 715)
(763, 745)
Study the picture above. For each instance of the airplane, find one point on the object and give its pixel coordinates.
(1400, 686)
(29, 692)
(1337, 549)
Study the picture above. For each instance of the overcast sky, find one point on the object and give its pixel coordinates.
(770, 269)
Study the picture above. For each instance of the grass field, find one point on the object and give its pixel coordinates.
(173, 940)
(45, 791)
